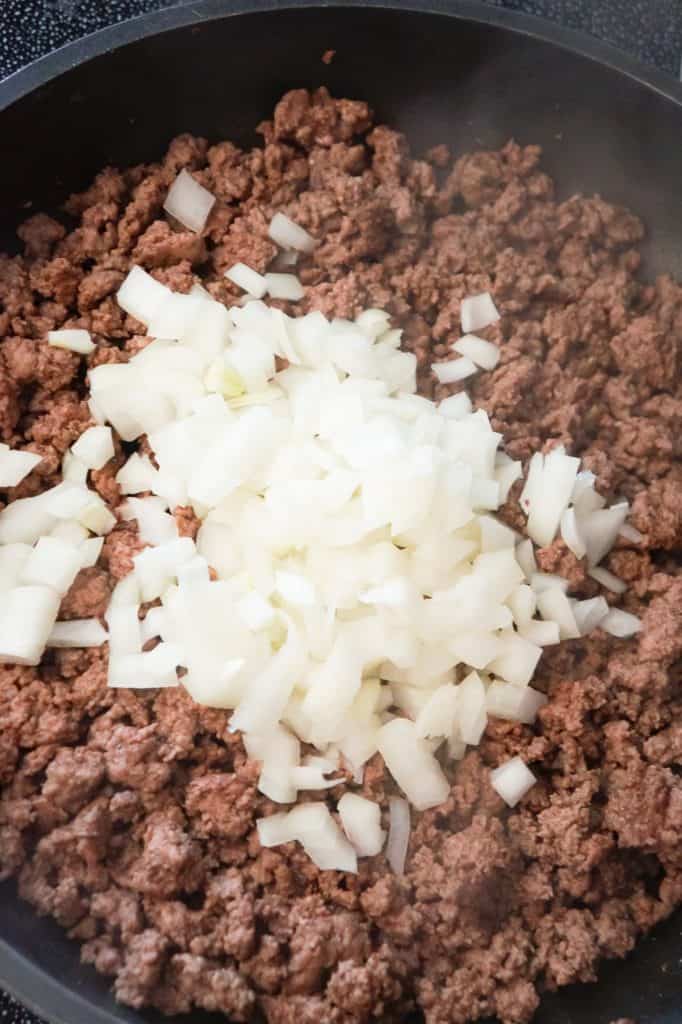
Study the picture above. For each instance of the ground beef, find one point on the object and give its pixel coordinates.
(130, 816)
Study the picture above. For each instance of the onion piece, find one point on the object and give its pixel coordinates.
(484, 353)
(544, 634)
(16, 465)
(570, 534)
(289, 235)
(412, 764)
(77, 633)
(189, 202)
(631, 533)
(26, 619)
(600, 530)
(398, 834)
(284, 286)
(314, 828)
(361, 821)
(52, 563)
(525, 556)
(140, 295)
(512, 780)
(94, 447)
(542, 581)
(125, 631)
(551, 496)
(247, 279)
(554, 606)
(518, 660)
(620, 624)
(514, 703)
(72, 339)
(471, 713)
(456, 407)
(478, 311)
(454, 370)
(522, 602)
(590, 614)
(607, 579)
(13, 558)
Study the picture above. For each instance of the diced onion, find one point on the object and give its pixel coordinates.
(313, 827)
(284, 286)
(361, 820)
(52, 563)
(189, 202)
(412, 764)
(26, 619)
(484, 353)
(15, 465)
(94, 447)
(620, 624)
(607, 579)
(454, 370)
(247, 279)
(77, 633)
(512, 780)
(590, 614)
(73, 339)
(285, 232)
(631, 533)
(398, 834)
(478, 311)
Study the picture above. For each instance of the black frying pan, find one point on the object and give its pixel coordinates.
(456, 72)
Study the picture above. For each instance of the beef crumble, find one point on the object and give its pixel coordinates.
(129, 817)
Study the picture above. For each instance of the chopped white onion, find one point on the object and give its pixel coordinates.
(454, 370)
(512, 780)
(141, 296)
(77, 633)
(456, 407)
(72, 339)
(94, 447)
(398, 834)
(478, 311)
(15, 465)
(514, 703)
(189, 202)
(27, 616)
(550, 496)
(570, 533)
(484, 353)
(289, 235)
(284, 286)
(52, 563)
(313, 827)
(247, 279)
(607, 579)
(631, 533)
(361, 821)
(412, 765)
(554, 606)
(589, 614)
(620, 624)
(600, 529)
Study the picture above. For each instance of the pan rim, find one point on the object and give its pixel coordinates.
(32, 985)
(43, 70)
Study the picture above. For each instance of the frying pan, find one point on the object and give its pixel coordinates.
(456, 72)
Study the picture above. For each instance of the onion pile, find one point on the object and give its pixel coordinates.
(350, 587)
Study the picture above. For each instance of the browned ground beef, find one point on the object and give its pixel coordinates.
(129, 817)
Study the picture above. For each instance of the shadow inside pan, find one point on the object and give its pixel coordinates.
(439, 79)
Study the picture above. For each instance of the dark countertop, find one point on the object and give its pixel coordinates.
(650, 30)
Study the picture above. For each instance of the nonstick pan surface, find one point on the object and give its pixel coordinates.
(456, 72)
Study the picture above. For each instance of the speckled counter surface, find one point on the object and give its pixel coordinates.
(650, 30)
